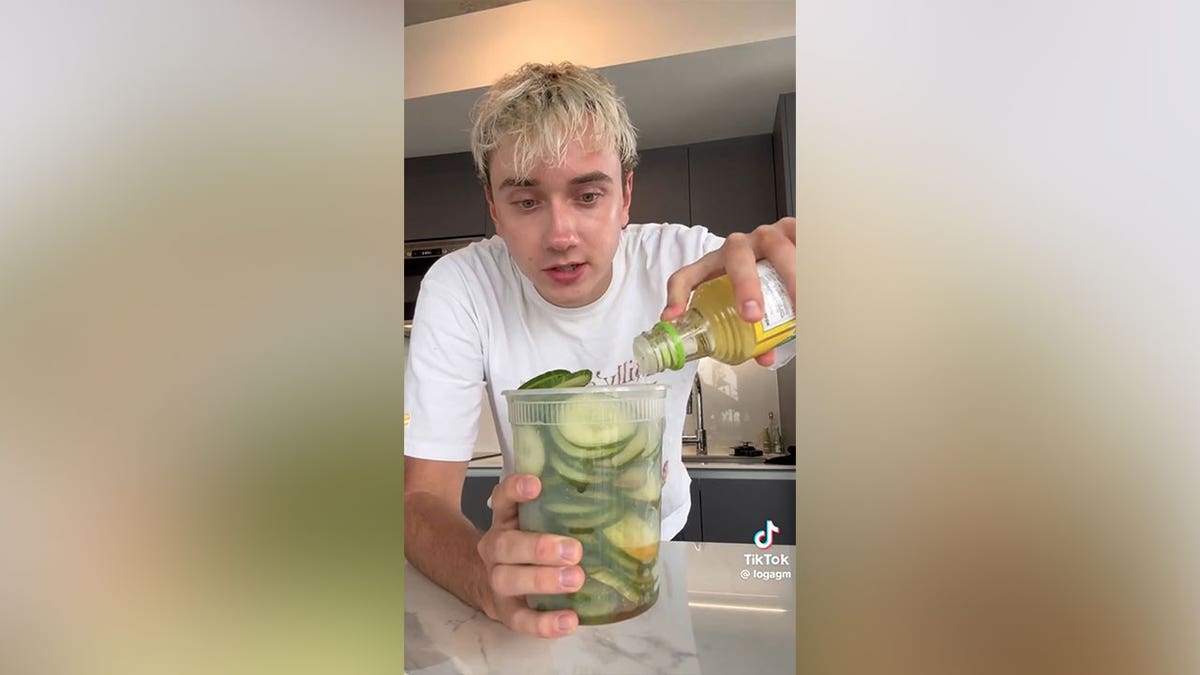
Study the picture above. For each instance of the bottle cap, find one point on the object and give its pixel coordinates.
(679, 356)
(658, 349)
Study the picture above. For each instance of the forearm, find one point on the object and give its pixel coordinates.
(441, 543)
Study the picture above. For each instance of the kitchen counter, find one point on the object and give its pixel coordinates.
(707, 462)
(708, 619)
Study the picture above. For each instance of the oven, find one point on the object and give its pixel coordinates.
(419, 256)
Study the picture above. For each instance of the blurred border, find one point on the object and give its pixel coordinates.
(201, 337)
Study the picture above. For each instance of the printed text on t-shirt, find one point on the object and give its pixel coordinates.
(624, 374)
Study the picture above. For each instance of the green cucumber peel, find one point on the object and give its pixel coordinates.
(558, 379)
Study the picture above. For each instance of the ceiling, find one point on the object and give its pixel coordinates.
(421, 11)
(686, 98)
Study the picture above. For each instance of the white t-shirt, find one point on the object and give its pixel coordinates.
(480, 323)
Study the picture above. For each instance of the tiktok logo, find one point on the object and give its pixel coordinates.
(766, 536)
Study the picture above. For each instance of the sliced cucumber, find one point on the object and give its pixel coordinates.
(632, 448)
(588, 541)
(547, 380)
(586, 523)
(595, 601)
(649, 491)
(589, 425)
(621, 585)
(574, 508)
(634, 537)
(642, 483)
(558, 378)
(595, 552)
(625, 562)
(579, 486)
(548, 603)
(632, 478)
(582, 510)
(579, 378)
(580, 473)
(580, 523)
(581, 453)
(566, 488)
(528, 449)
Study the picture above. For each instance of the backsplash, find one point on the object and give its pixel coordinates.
(736, 402)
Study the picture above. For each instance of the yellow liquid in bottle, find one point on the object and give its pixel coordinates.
(729, 338)
(713, 326)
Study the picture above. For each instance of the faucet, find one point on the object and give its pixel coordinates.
(701, 436)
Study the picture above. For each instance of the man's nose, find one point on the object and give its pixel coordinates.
(562, 234)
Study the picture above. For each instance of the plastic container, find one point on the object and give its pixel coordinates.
(598, 453)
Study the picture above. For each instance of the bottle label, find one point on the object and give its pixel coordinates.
(778, 324)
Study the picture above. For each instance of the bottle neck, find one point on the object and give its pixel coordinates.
(671, 344)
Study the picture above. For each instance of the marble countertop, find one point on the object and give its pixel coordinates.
(718, 612)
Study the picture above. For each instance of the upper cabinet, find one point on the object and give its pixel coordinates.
(785, 155)
(732, 184)
(443, 198)
(660, 187)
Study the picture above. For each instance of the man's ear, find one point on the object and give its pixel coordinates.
(626, 198)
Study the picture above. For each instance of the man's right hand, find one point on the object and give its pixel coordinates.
(519, 563)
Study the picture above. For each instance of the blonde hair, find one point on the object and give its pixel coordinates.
(544, 107)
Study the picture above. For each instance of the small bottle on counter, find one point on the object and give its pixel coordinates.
(774, 434)
(712, 326)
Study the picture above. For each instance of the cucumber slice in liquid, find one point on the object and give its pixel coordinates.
(589, 425)
(529, 450)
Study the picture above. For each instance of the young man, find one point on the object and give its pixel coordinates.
(567, 283)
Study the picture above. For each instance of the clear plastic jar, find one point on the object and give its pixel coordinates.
(598, 452)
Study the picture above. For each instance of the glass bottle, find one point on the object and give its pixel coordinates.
(774, 435)
(713, 326)
(766, 442)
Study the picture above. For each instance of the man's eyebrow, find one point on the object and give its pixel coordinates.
(593, 177)
(518, 182)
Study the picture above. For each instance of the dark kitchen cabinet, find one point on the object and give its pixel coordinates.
(442, 198)
(660, 187)
(732, 510)
(476, 491)
(784, 150)
(732, 183)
